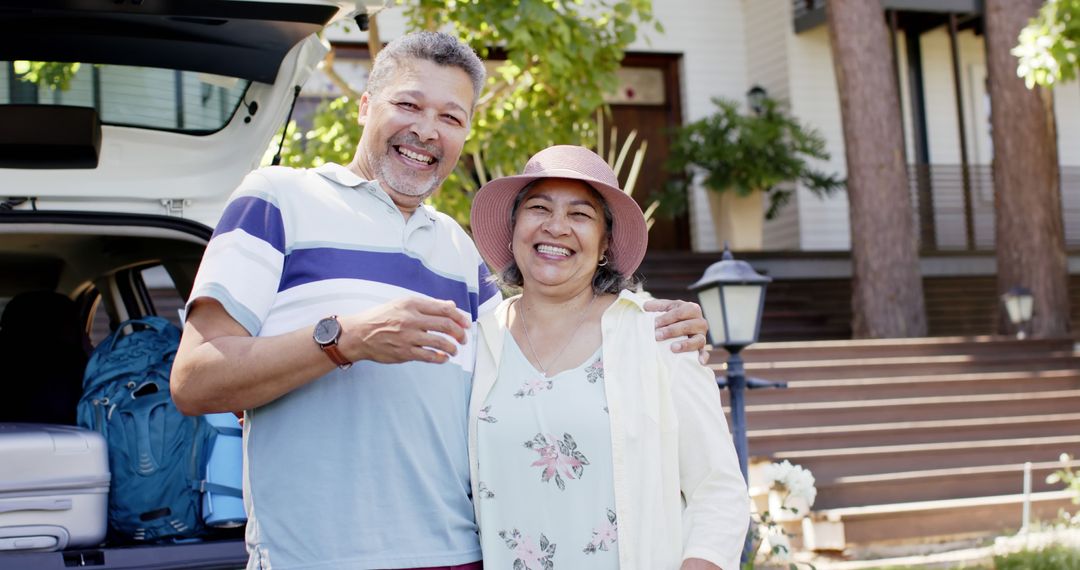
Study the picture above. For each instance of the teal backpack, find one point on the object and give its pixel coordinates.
(157, 455)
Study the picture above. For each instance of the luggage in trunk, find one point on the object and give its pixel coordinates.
(54, 487)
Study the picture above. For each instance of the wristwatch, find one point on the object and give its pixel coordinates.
(326, 335)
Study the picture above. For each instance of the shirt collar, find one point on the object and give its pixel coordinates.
(346, 177)
(341, 175)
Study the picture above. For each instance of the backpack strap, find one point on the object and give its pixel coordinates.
(230, 431)
(205, 486)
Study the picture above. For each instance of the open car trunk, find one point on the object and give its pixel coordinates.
(124, 127)
(115, 266)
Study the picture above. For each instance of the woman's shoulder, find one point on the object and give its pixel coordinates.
(497, 317)
(630, 302)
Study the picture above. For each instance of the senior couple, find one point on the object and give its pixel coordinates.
(399, 414)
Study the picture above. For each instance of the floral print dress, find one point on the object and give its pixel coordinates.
(546, 500)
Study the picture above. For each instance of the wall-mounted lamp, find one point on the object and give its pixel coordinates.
(755, 98)
(1019, 304)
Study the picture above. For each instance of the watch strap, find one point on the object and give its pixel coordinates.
(335, 355)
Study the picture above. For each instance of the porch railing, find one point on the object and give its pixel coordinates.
(947, 221)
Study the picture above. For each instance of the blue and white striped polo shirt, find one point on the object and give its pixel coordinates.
(365, 467)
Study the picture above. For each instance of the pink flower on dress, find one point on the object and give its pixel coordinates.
(604, 535)
(533, 387)
(559, 458)
(595, 371)
(485, 415)
(529, 555)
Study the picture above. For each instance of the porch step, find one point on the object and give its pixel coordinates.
(934, 485)
(829, 464)
(916, 440)
(769, 416)
(804, 391)
(950, 518)
(1005, 361)
(763, 442)
(879, 348)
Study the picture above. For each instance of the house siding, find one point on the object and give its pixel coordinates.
(943, 134)
(823, 222)
(710, 37)
(1067, 106)
(767, 33)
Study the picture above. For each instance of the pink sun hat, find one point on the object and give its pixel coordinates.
(493, 204)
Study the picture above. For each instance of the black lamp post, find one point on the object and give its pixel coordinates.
(732, 296)
(1019, 305)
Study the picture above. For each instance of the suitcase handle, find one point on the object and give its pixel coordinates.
(12, 505)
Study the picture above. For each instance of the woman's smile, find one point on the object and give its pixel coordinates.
(559, 233)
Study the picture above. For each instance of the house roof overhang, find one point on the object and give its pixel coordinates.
(924, 14)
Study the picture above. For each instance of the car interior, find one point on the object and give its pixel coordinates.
(123, 127)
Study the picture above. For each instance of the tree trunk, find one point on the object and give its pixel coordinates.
(886, 281)
(1030, 234)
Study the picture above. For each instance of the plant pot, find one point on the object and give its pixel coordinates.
(737, 220)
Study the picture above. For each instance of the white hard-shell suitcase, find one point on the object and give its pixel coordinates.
(54, 487)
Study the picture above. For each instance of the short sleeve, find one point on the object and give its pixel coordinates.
(242, 265)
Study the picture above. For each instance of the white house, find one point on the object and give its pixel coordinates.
(721, 48)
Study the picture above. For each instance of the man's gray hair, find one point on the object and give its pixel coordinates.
(436, 47)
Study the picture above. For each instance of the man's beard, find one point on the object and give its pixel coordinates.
(400, 179)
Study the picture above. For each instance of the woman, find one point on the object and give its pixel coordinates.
(586, 435)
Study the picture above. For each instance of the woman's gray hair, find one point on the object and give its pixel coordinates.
(436, 47)
(605, 280)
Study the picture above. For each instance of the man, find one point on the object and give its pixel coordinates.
(337, 309)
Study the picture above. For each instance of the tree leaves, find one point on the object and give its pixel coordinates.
(333, 136)
(562, 57)
(1049, 47)
(51, 74)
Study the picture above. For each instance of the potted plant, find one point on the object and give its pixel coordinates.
(746, 159)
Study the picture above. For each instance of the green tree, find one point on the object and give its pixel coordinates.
(332, 137)
(555, 62)
(51, 74)
(1049, 47)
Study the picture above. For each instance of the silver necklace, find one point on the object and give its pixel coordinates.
(528, 339)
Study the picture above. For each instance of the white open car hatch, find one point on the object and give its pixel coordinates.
(172, 103)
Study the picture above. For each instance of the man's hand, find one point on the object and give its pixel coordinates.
(681, 318)
(412, 329)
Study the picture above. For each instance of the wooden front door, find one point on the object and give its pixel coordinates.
(648, 100)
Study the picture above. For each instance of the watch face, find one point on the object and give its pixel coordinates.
(327, 330)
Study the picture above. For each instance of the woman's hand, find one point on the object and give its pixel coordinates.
(698, 564)
(681, 318)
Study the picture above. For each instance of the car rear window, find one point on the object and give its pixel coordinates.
(142, 97)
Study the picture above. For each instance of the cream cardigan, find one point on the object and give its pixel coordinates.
(678, 489)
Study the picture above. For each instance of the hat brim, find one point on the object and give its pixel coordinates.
(493, 204)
